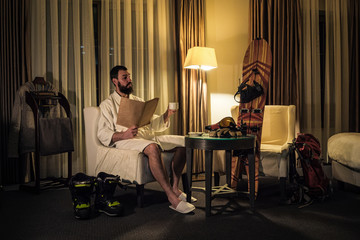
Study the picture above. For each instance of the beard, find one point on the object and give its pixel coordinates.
(128, 89)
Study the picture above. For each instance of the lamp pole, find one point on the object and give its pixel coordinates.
(200, 96)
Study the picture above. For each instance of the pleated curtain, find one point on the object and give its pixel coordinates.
(342, 81)
(330, 103)
(136, 34)
(278, 22)
(191, 25)
(63, 52)
(139, 35)
(311, 86)
(147, 44)
(14, 71)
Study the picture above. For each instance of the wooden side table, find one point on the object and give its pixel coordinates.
(244, 143)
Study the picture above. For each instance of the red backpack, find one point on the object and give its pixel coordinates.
(309, 154)
(314, 183)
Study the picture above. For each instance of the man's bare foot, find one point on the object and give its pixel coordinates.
(174, 201)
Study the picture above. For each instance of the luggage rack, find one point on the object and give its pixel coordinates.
(40, 103)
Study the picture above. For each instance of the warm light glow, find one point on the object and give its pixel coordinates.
(201, 58)
(220, 105)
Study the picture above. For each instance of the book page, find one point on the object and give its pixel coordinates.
(149, 109)
(135, 113)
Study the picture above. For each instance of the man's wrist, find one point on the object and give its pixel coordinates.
(166, 116)
(117, 136)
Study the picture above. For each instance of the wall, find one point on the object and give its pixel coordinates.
(226, 30)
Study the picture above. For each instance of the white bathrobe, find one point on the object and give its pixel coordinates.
(146, 135)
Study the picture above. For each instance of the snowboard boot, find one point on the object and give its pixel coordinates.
(81, 187)
(104, 201)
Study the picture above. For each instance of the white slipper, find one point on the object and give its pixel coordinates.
(183, 207)
(182, 197)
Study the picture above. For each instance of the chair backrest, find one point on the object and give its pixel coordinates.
(91, 116)
(278, 125)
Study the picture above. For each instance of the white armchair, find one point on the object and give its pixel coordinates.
(277, 132)
(131, 166)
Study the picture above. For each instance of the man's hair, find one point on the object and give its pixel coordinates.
(115, 70)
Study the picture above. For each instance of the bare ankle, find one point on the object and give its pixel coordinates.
(174, 201)
(177, 191)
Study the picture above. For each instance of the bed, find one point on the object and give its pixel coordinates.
(344, 155)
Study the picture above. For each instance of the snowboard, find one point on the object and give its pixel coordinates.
(253, 92)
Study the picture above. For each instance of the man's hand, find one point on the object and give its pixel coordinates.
(168, 114)
(128, 134)
(131, 132)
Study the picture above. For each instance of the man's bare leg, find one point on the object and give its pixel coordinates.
(178, 165)
(158, 170)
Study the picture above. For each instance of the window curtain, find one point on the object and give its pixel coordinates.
(331, 105)
(191, 27)
(62, 47)
(139, 35)
(341, 110)
(14, 71)
(278, 22)
(311, 103)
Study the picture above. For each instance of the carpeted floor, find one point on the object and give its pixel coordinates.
(49, 215)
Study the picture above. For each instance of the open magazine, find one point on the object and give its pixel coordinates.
(136, 113)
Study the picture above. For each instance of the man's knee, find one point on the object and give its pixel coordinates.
(152, 149)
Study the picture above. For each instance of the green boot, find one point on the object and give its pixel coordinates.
(104, 201)
(81, 187)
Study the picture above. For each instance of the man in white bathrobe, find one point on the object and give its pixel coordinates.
(143, 138)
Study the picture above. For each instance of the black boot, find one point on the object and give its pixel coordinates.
(81, 187)
(105, 187)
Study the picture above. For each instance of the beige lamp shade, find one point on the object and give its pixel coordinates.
(201, 58)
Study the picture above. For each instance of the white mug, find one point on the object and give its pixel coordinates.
(173, 105)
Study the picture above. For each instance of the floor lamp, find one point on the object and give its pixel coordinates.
(201, 58)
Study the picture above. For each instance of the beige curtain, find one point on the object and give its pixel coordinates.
(62, 46)
(278, 22)
(330, 99)
(191, 27)
(139, 35)
(311, 103)
(336, 109)
(341, 110)
(192, 33)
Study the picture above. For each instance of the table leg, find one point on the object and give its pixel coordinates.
(69, 168)
(251, 160)
(208, 181)
(37, 171)
(228, 167)
(189, 163)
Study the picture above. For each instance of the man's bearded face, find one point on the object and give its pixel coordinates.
(128, 89)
